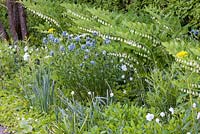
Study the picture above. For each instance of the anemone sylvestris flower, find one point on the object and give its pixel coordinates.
(124, 68)
(72, 93)
(162, 114)
(111, 94)
(198, 115)
(171, 110)
(26, 57)
(149, 117)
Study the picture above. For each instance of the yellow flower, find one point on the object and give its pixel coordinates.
(182, 54)
(51, 30)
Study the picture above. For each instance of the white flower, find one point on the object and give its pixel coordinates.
(123, 76)
(46, 57)
(25, 48)
(149, 117)
(10, 47)
(171, 110)
(198, 115)
(188, 133)
(124, 92)
(15, 46)
(131, 78)
(194, 105)
(111, 94)
(124, 68)
(162, 114)
(104, 52)
(121, 60)
(157, 120)
(72, 92)
(89, 93)
(26, 57)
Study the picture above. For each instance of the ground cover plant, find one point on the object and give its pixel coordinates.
(90, 70)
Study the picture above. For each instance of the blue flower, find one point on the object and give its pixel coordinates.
(51, 53)
(95, 33)
(51, 37)
(56, 40)
(44, 40)
(195, 32)
(62, 48)
(192, 31)
(81, 64)
(107, 41)
(83, 47)
(77, 38)
(71, 47)
(64, 33)
(92, 62)
(88, 43)
(93, 43)
(86, 57)
(88, 39)
(69, 37)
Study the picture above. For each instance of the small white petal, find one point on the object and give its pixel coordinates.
(124, 92)
(198, 115)
(25, 48)
(149, 117)
(72, 92)
(157, 120)
(162, 114)
(171, 110)
(124, 68)
(26, 57)
(123, 76)
(111, 94)
(194, 105)
(89, 93)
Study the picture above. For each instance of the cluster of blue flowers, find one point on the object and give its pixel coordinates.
(86, 45)
(88, 55)
(71, 47)
(51, 39)
(195, 32)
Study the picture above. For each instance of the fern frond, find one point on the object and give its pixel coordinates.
(48, 19)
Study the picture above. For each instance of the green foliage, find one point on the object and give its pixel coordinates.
(127, 118)
(19, 117)
(135, 64)
(10, 62)
(42, 93)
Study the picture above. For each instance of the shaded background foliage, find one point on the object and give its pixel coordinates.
(187, 11)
